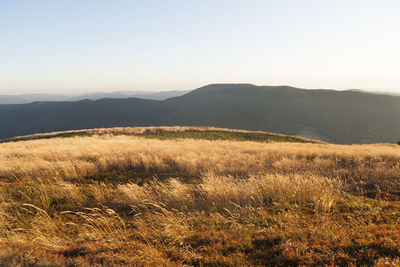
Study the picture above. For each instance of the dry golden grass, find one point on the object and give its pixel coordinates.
(125, 200)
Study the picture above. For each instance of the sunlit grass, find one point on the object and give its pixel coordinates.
(129, 200)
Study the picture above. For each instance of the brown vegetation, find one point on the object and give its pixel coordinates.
(126, 200)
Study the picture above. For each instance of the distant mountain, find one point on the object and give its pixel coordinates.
(30, 98)
(327, 115)
(162, 95)
(376, 92)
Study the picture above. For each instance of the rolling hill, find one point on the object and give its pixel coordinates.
(327, 115)
(167, 132)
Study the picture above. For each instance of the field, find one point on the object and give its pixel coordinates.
(196, 196)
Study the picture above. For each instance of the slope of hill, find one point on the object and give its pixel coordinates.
(163, 133)
(124, 200)
(328, 115)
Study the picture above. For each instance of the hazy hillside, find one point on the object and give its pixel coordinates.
(162, 95)
(335, 116)
(328, 115)
(29, 98)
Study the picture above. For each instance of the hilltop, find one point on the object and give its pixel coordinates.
(167, 132)
(327, 115)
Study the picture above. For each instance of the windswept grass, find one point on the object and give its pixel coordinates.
(129, 200)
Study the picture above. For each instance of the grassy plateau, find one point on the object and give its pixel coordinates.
(196, 196)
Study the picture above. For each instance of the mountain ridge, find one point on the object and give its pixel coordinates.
(30, 98)
(327, 115)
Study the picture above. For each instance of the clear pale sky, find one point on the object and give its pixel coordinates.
(57, 46)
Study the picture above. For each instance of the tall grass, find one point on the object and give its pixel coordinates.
(360, 167)
(202, 202)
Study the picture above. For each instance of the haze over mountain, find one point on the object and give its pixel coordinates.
(328, 115)
(29, 98)
(376, 92)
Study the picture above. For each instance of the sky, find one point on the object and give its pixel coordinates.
(72, 46)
